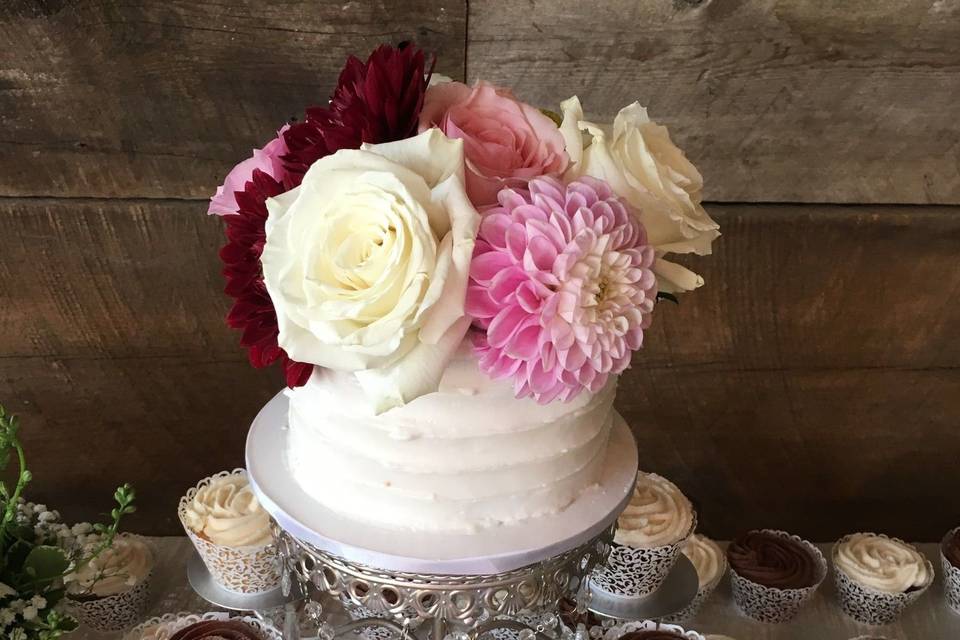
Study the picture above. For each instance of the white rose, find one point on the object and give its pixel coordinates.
(642, 165)
(367, 263)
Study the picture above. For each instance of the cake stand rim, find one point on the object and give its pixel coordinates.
(491, 551)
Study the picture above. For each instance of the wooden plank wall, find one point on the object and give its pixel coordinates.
(813, 384)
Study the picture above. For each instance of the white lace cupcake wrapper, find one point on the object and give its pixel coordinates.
(770, 604)
(614, 633)
(115, 612)
(951, 577)
(634, 571)
(237, 569)
(870, 606)
(162, 627)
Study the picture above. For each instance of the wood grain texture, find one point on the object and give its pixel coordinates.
(775, 101)
(812, 384)
(822, 619)
(160, 98)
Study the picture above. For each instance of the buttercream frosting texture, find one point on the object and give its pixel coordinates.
(119, 568)
(881, 563)
(773, 560)
(226, 512)
(658, 514)
(706, 556)
(466, 457)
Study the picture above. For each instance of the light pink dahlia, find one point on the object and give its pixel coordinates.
(561, 286)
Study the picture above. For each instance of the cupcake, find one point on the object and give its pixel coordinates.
(650, 630)
(950, 559)
(231, 532)
(878, 576)
(710, 562)
(207, 626)
(774, 573)
(650, 533)
(110, 592)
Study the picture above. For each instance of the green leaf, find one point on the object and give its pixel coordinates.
(46, 562)
(663, 295)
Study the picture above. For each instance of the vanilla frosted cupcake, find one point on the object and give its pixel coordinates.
(710, 562)
(110, 592)
(231, 531)
(878, 576)
(650, 532)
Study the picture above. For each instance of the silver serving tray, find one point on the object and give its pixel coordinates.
(677, 591)
(206, 587)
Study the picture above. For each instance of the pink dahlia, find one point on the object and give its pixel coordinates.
(561, 286)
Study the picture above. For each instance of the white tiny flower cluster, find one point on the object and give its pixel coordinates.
(25, 610)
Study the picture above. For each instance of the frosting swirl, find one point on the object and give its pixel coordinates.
(951, 548)
(119, 568)
(218, 630)
(658, 514)
(706, 556)
(881, 563)
(773, 560)
(227, 513)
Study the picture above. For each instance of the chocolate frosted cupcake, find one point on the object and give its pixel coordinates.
(206, 626)
(950, 559)
(774, 573)
(711, 564)
(650, 630)
(650, 533)
(877, 576)
(218, 630)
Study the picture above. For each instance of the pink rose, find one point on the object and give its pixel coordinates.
(224, 201)
(506, 142)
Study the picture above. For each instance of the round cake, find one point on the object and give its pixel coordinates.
(468, 456)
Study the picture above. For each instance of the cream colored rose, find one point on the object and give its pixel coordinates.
(636, 156)
(367, 263)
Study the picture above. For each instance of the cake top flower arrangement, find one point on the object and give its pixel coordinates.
(39, 555)
(413, 212)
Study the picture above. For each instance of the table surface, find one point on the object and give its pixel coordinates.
(822, 619)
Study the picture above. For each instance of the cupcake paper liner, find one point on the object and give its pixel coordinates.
(770, 604)
(870, 606)
(253, 569)
(951, 577)
(635, 571)
(114, 612)
(614, 633)
(162, 627)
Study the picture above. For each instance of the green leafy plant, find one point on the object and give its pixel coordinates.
(37, 552)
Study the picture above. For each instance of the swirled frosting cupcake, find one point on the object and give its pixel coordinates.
(881, 563)
(119, 568)
(877, 577)
(218, 630)
(231, 531)
(774, 574)
(658, 514)
(707, 558)
(773, 561)
(226, 513)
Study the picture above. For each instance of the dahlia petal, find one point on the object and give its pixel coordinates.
(540, 254)
(484, 267)
(525, 342)
(478, 304)
(504, 325)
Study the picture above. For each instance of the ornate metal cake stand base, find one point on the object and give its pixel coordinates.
(466, 606)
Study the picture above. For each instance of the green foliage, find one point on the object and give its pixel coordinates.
(33, 561)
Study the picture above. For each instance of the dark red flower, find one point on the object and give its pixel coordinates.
(376, 101)
(252, 310)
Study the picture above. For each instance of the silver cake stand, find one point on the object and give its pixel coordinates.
(463, 585)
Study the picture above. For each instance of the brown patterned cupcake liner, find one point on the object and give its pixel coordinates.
(253, 569)
(771, 604)
(951, 576)
(114, 612)
(635, 571)
(871, 606)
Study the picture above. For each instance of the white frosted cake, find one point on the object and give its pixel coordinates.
(466, 457)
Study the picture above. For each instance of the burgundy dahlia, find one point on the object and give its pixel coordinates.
(375, 101)
(252, 310)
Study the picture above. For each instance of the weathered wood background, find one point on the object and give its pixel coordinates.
(812, 385)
